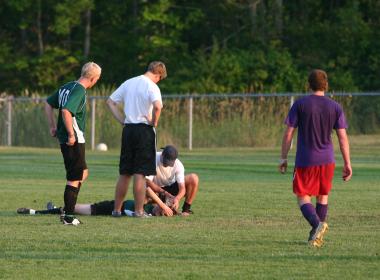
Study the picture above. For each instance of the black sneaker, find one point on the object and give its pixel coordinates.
(69, 220)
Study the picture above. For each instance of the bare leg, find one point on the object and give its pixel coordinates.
(139, 193)
(322, 199)
(75, 184)
(83, 209)
(191, 185)
(121, 191)
(303, 200)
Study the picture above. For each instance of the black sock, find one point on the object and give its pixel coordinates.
(70, 197)
(54, 211)
(186, 207)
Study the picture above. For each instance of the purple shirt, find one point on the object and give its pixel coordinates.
(316, 117)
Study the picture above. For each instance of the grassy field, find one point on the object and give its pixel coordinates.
(246, 223)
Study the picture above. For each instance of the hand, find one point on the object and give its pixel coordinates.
(166, 211)
(346, 172)
(53, 132)
(70, 140)
(175, 204)
(283, 165)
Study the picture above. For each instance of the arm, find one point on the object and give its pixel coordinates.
(68, 121)
(285, 147)
(155, 187)
(50, 116)
(345, 150)
(166, 210)
(115, 111)
(179, 196)
(157, 107)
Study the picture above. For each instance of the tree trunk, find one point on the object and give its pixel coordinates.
(87, 36)
(253, 11)
(278, 17)
(39, 29)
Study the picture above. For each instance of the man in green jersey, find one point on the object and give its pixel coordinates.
(70, 100)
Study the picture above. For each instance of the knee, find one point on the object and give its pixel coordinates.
(193, 179)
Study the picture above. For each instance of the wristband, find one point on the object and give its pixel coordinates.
(283, 160)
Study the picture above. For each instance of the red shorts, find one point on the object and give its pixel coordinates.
(313, 180)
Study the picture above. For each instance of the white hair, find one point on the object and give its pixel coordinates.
(90, 70)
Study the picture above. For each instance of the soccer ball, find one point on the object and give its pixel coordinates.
(101, 147)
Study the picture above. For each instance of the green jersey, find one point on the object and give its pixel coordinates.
(130, 205)
(72, 97)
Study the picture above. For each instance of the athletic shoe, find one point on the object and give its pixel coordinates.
(311, 234)
(116, 214)
(129, 213)
(143, 215)
(50, 206)
(316, 239)
(70, 220)
(24, 211)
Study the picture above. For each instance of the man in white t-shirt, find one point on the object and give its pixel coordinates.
(142, 102)
(170, 181)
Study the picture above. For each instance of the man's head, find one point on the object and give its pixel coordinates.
(158, 69)
(318, 80)
(169, 155)
(91, 72)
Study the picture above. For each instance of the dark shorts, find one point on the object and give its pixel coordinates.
(173, 189)
(313, 180)
(103, 208)
(106, 207)
(138, 150)
(74, 159)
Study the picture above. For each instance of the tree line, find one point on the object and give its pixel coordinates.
(209, 46)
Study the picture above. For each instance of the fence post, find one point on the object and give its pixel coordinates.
(93, 106)
(9, 121)
(190, 142)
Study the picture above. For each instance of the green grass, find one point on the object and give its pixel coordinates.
(246, 223)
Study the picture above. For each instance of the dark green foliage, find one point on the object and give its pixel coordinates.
(208, 46)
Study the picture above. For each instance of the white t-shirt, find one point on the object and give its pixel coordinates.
(168, 175)
(137, 94)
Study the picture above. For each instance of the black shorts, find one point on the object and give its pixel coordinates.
(138, 150)
(75, 161)
(173, 189)
(103, 207)
(106, 207)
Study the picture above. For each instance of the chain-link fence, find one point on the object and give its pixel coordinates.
(213, 120)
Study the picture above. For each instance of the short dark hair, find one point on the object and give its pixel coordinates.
(318, 80)
(169, 155)
(158, 68)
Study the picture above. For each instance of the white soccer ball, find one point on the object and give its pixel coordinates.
(101, 147)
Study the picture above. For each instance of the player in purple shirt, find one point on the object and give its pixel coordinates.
(315, 116)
